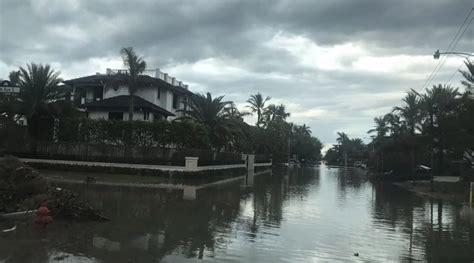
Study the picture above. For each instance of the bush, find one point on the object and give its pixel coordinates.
(137, 133)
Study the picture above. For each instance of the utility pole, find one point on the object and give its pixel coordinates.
(434, 111)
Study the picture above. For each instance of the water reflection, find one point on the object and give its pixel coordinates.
(290, 215)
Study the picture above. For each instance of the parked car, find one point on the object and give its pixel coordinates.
(359, 164)
(422, 170)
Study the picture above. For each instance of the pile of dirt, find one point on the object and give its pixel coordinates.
(23, 188)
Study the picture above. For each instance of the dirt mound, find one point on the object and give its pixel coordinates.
(23, 188)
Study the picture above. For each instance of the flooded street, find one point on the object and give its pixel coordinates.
(303, 215)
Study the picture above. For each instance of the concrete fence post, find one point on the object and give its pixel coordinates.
(189, 193)
(251, 163)
(191, 164)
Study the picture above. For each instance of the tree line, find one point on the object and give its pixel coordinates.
(42, 95)
(434, 128)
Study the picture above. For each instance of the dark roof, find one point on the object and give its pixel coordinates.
(121, 103)
(112, 79)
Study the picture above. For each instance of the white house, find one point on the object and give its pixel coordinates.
(106, 96)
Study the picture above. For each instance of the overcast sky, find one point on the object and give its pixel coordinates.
(334, 64)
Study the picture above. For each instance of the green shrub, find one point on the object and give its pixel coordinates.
(137, 133)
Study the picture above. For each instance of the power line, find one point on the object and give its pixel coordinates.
(451, 45)
(460, 66)
(454, 73)
(460, 36)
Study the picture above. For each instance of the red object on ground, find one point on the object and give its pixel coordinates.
(42, 216)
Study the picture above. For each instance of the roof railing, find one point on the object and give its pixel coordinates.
(155, 73)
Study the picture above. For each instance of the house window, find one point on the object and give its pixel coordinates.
(146, 115)
(98, 93)
(175, 101)
(116, 116)
(158, 93)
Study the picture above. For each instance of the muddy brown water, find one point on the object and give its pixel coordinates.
(316, 214)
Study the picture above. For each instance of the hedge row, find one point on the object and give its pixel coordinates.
(138, 133)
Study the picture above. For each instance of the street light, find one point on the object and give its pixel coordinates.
(437, 54)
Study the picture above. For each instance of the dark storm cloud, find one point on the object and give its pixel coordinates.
(233, 28)
(180, 35)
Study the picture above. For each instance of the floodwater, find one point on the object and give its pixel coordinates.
(301, 215)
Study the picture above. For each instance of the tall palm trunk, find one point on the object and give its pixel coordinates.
(130, 108)
(135, 66)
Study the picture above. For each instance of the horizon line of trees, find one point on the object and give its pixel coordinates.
(434, 128)
(42, 96)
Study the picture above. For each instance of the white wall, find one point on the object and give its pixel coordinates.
(162, 102)
(137, 115)
(148, 93)
(98, 115)
(167, 99)
(170, 105)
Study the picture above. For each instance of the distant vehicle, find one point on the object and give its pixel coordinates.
(359, 164)
(422, 170)
(294, 163)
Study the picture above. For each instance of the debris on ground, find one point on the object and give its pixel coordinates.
(23, 188)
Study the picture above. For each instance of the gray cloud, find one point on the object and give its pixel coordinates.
(233, 38)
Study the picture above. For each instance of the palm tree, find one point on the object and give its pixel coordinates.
(39, 87)
(135, 66)
(213, 113)
(233, 112)
(281, 112)
(343, 141)
(257, 104)
(357, 144)
(438, 105)
(342, 138)
(395, 126)
(357, 148)
(275, 112)
(14, 77)
(410, 111)
(380, 127)
(411, 114)
(468, 75)
(304, 129)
